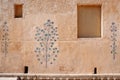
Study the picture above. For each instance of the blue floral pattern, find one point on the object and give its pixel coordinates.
(5, 38)
(113, 39)
(47, 37)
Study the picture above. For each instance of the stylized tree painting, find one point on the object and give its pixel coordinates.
(4, 39)
(46, 37)
(114, 39)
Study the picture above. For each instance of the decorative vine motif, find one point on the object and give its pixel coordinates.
(4, 39)
(46, 52)
(114, 39)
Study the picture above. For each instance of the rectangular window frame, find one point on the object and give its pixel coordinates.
(15, 16)
(101, 23)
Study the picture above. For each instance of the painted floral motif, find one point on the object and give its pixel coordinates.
(113, 39)
(47, 37)
(5, 38)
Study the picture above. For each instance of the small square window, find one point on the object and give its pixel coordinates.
(18, 12)
(89, 21)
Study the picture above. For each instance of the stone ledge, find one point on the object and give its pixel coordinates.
(62, 76)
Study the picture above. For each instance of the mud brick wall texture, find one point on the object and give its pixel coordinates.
(45, 38)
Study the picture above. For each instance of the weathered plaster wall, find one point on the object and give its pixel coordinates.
(76, 55)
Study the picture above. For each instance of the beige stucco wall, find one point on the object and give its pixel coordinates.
(76, 55)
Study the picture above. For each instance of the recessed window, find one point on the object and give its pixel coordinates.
(18, 12)
(89, 21)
